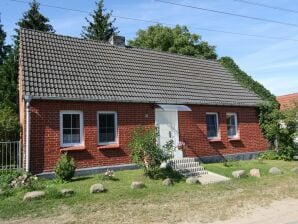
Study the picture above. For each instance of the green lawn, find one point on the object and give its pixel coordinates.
(155, 202)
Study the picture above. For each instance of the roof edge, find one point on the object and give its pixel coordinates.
(140, 101)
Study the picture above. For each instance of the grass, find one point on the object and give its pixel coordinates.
(155, 203)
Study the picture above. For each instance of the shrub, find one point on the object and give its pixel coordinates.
(65, 168)
(146, 153)
(9, 124)
(7, 177)
(269, 155)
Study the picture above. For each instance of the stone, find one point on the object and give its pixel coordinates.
(67, 192)
(33, 195)
(137, 185)
(97, 188)
(167, 182)
(255, 173)
(238, 173)
(192, 180)
(275, 171)
(294, 170)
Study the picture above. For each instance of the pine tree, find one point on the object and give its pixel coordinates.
(101, 27)
(4, 49)
(33, 19)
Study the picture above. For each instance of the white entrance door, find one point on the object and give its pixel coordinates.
(167, 124)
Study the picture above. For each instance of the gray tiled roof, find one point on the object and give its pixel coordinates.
(61, 67)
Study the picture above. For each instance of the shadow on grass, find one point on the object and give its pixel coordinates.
(168, 172)
(81, 178)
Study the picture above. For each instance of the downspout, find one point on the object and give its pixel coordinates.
(27, 101)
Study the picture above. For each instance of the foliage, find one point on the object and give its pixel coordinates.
(175, 40)
(9, 125)
(246, 80)
(167, 172)
(9, 82)
(65, 168)
(7, 177)
(101, 27)
(281, 126)
(146, 153)
(4, 49)
(269, 155)
(267, 109)
(33, 19)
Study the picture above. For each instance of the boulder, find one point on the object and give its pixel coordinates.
(97, 188)
(67, 192)
(33, 195)
(238, 173)
(255, 173)
(275, 171)
(192, 180)
(294, 170)
(137, 185)
(167, 182)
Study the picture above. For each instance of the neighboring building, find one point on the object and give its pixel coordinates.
(288, 101)
(86, 98)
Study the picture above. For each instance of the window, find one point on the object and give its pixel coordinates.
(232, 125)
(107, 128)
(71, 128)
(212, 125)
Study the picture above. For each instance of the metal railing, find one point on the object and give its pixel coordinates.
(10, 156)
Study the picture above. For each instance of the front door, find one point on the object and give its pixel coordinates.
(167, 124)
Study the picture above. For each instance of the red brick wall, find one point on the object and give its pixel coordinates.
(45, 139)
(193, 131)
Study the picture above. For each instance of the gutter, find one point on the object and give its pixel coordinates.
(27, 101)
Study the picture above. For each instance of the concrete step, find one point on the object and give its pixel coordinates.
(185, 165)
(184, 160)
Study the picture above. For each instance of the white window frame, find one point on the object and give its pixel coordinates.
(116, 127)
(236, 125)
(81, 128)
(217, 122)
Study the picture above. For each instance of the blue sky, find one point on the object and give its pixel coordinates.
(274, 63)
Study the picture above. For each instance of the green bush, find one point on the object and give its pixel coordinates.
(7, 177)
(146, 153)
(65, 168)
(9, 124)
(269, 155)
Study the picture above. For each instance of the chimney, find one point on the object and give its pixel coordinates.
(117, 41)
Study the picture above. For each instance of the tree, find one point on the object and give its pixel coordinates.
(101, 27)
(176, 40)
(4, 49)
(33, 19)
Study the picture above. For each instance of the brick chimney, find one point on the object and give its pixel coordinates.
(118, 41)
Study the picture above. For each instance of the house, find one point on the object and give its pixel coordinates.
(86, 97)
(288, 101)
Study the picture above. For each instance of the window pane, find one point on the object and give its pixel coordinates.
(75, 135)
(102, 120)
(110, 120)
(211, 125)
(111, 134)
(75, 121)
(66, 120)
(66, 136)
(102, 136)
(232, 131)
(231, 125)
